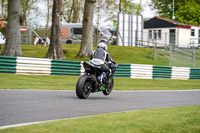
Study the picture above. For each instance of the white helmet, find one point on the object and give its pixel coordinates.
(102, 44)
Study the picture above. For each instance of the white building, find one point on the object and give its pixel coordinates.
(195, 34)
(164, 32)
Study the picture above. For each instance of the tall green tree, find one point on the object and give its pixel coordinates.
(87, 35)
(67, 10)
(73, 10)
(55, 49)
(76, 10)
(27, 6)
(13, 35)
(48, 15)
(129, 7)
(186, 11)
(4, 5)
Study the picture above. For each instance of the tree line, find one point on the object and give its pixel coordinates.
(185, 11)
(16, 13)
(71, 10)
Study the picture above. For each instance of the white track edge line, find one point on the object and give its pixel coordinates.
(39, 122)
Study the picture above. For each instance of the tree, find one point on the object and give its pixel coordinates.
(112, 7)
(49, 7)
(186, 11)
(129, 7)
(3, 6)
(13, 35)
(55, 50)
(73, 10)
(27, 6)
(67, 10)
(87, 35)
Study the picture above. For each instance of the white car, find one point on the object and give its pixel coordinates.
(2, 39)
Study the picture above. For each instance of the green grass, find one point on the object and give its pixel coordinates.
(169, 120)
(14, 81)
(119, 54)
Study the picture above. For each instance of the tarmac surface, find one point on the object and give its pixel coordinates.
(25, 106)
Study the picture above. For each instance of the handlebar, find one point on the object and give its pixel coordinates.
(115, 66)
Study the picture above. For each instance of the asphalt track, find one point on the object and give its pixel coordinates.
(24, 106)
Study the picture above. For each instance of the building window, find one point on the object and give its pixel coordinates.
(155, 34)
(159, 34)
(192, 32)
(150, 34)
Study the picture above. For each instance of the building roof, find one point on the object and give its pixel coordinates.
(195, 25)
(161, 22)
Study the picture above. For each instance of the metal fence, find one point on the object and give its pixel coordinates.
(30, 35)
(181, 55)
(189, 57)
(178, 56)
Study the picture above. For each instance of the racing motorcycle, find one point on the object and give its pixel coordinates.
(89, 83)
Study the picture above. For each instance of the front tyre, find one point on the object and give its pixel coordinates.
(109, 86)
(83, 87)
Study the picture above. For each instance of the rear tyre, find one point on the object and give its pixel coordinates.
(109, 86)
(68, 42)
(83, 87)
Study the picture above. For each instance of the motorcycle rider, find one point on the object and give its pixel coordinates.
(104, 59)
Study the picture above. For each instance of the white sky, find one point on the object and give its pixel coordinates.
(147, 13)
(39, 18)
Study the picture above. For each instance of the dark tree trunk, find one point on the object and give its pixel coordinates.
(55, 50)
(13, 35)
(87, 35)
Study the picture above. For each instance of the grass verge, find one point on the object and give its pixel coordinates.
(14, 81)
(119, 54)
(168, 120)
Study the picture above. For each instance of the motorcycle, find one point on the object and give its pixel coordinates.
(89, 83)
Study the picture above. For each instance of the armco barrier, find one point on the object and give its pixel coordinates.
(38, 66)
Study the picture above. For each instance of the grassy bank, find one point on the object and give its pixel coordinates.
(118, 53)
(169, 120)
(13, 81)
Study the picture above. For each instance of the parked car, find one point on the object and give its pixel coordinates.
(72, 32)
(2, 39)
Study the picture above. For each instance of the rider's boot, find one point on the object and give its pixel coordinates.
(101, 78)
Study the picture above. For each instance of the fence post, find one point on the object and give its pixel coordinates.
(188, 52)
(72, 35)
(136, 38)
(193, 55)
(170, 55)
(30, 34)
(155, 51)
(165, 39)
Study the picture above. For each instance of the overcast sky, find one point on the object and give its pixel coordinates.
(39, 17)
(147, 13)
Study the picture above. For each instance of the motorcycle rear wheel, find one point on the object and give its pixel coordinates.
(83, 87)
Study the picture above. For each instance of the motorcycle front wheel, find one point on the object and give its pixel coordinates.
(83, 87)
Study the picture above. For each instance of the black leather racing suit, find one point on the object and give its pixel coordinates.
(101, 54)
